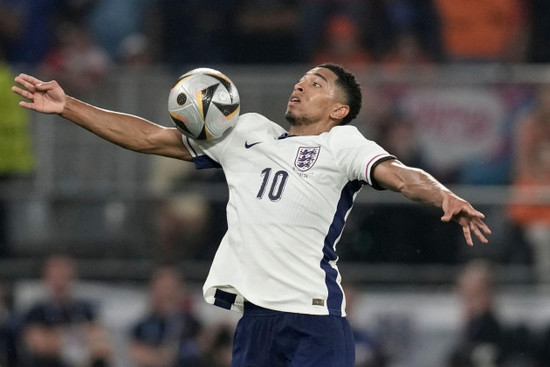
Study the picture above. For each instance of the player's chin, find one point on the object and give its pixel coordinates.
(298, 120)
(290, 117)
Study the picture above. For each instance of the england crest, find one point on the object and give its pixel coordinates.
(306, 157)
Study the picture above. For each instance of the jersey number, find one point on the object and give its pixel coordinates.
(277, 184)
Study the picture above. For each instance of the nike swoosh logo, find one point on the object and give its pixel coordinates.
(248, 146)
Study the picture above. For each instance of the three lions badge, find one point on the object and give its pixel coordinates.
(306, 157)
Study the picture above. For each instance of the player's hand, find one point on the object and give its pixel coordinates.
(45, 97)
(471, 220)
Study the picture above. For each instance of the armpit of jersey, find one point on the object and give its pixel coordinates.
(204, 162)
(201, 160)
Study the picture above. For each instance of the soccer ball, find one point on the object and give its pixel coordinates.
(204, 103)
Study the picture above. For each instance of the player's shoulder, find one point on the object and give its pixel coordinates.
(253, 121)
(253, 118)
(344, 133)
(348, 138)
(345, 130)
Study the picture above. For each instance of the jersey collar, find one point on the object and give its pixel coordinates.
(285, 135)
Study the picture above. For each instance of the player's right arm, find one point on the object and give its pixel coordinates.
(418, 185)
(128, 131)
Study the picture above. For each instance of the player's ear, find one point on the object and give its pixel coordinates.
(339, 111)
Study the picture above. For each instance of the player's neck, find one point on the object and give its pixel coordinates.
(311, 129)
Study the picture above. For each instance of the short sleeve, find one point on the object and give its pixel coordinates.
(356, 155)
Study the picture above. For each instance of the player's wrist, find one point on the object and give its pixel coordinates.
(67, 106)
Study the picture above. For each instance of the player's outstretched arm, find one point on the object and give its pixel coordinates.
(128, 131)
(420, 186)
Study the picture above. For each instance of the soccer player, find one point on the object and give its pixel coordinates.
(290, 194)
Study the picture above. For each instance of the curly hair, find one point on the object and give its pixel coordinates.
(351, 88)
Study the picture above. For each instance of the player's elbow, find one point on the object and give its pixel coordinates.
(166, 143)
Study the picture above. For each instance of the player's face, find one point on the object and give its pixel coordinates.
(313, 97)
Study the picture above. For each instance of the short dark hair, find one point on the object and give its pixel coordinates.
(352, 90)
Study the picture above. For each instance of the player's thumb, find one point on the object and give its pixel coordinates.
(447, 216)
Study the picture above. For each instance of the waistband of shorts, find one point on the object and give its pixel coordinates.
(252, 309)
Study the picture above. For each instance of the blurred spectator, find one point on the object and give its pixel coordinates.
(531, 209)
(167, 334)
(482, 334)
(343, 45)
(16, 155)
(184, 213)
(11, 24)
(314, 15)
(397, 134)
(379, 22)
(483, 30)
(134, 52)
(539, 39)
(543, 350)
(182, 223)
(266, 32)
(8, 331)
(216, 346)
(27, 28)
(406, 21)
(191, 32)
(112, 21)
(369, 351)
(406, 54)
(485, 339)
(61, 330)
(77, 61)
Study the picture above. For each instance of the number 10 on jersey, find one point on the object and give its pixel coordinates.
(275, 184)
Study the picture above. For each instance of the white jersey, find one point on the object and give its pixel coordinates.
(289, 197)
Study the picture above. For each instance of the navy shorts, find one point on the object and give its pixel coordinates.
(266, 338)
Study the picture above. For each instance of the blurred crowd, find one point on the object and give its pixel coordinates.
(59, 326)
(486, 338)
(91, 35)
(80, 42)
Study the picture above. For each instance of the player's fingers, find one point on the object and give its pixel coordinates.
(478, 233)
(29, 79)
(467, 235)
(475, 213)
(480, 224)
(448, 214)
(451, 214)
(28, 105)
(484, 227)
(23, 93)
(446, 217)
(24, 83)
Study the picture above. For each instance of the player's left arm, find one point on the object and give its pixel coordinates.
(418, 185)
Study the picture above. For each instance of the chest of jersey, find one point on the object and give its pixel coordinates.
(294, 178)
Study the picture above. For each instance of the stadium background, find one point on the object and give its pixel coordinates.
(119, 213)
